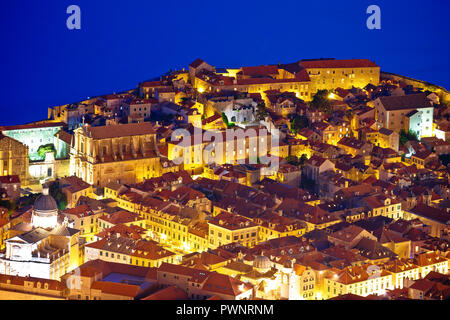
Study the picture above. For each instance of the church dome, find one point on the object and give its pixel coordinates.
(45, 203)
(262, 262)
(45, 213)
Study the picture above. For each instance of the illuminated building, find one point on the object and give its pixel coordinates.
(109, 220)
(285, 78)
(329, 74)
(4, 227)
(102, 280)
(10, 185)
(401, 270)
(137, 109)
(356, 147)
(13, 158)
(49, 250)
(37, 135)
(436, 218)
(412, 112)
(201, 284)
(31, 288)
(237, 145)
(282, 104)
(384, 206)
(227, 228)
(431, 261)
(388, 139)
(124, 250)
(113, 153)
(333, 131)
(74, 188)
(361, 280)
(273, 226)
(85, 220)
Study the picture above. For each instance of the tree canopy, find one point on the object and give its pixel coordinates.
(320, 101)
(298, 122)
(261, 112)
(47, 148)
(406, 136)
(58, 195)
(225, 120)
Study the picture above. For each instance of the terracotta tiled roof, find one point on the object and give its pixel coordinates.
(33, 126)
(432, 213)
(260, 70)
(348, 234)
(351, 63)
(133, 232)
(120, 130)
(20, 281)
(9, 179)
(410, 101)
(422, 285)
(169, 293)
(231, 221)
(196, 63)
(80, 211)
(193, 274)
(121, 217)
(119, 289)
(429, 258)
(224, 284)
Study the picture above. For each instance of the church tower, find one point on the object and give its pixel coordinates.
(289, 282)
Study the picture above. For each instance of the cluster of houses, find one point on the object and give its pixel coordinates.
(357, 207)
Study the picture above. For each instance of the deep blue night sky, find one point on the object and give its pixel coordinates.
(124, 42)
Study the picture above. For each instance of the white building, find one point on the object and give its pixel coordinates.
(412, 112)
(48, 251)
(241, 112)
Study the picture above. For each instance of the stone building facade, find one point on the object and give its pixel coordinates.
(13, 158)
(122, 153)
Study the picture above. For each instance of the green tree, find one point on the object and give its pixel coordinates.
(42, 150)
(28, 200)
(298, 122)
(293, 160)
(303, 159)
(261, 112)
(10, 205)
(406, 136)
(320, 101)
(58, 195)
(225, 120)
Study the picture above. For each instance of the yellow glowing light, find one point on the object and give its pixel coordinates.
(186, 246)
(201, 90)
(331, 96)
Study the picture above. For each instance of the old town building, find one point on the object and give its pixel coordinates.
(124, 153)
